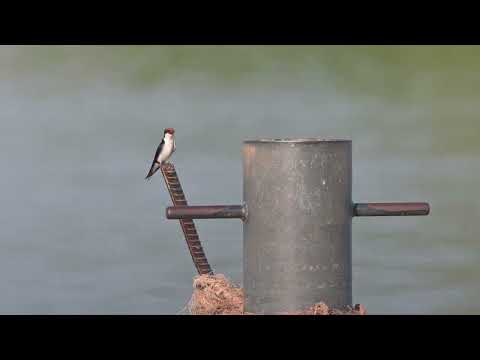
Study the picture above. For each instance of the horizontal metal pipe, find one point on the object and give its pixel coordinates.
(391, 209)
(206, 212)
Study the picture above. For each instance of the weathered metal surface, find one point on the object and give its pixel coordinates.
(206, 212)
(297, 236)
(297, 217)
(188, 226)
(391, 209)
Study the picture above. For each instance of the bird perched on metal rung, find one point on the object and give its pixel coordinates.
(164, 151)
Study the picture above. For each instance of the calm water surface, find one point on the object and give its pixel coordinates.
(82, 232)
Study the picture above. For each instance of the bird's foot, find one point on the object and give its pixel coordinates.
(167, 165)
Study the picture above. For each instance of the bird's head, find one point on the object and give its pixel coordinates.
(170, 131)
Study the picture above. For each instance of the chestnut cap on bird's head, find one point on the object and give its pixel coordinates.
(170, 131)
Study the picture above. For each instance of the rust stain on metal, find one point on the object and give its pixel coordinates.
(248, 156)
(188, 227)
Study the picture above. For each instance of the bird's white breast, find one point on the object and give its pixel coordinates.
(167, 149)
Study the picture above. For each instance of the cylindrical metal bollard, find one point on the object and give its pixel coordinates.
(297, 236)
(297, 215)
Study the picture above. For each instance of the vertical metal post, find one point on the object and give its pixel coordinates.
(297, 235)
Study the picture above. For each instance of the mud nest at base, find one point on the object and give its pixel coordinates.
(216, 295)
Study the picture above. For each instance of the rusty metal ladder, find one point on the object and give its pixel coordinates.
(188, 226)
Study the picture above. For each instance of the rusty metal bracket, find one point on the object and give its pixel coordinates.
(188, 226)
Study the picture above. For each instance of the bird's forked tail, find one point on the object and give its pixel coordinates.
(153, 169)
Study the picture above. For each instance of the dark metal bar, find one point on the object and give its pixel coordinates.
(206, 212)
(391, 209)
(188, 227)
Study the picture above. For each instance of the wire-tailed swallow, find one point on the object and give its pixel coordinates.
(164, 151)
